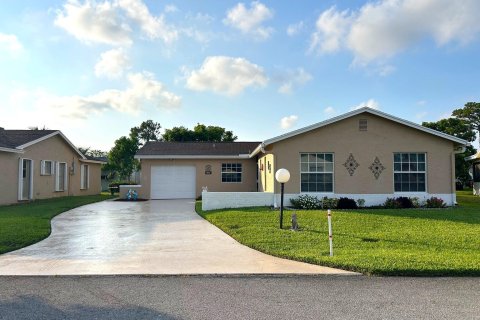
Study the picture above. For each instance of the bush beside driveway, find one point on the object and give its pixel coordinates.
(426, 242)
(24, 224)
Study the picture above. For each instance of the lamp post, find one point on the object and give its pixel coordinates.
(282, 176)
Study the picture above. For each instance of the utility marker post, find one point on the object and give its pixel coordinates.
(330, 234)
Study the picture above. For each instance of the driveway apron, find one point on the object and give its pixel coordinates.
(153, 237)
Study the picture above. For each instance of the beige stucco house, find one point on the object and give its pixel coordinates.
(39, 164)
(364, 154)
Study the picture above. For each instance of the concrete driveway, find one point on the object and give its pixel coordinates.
(154, 237)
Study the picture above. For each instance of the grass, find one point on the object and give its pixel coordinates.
(413, 242)
(24, 224)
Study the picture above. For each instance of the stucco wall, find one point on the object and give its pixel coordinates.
(55, 149)
(213, 181)
(266, 174)
(382, 140)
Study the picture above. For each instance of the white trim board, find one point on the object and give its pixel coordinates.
(11, 150)
(246, 156)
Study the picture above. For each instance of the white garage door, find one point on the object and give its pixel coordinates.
(173, 182)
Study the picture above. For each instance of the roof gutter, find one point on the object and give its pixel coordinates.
(12, 150)
(167, 157)
(260, 148)
(92, 161)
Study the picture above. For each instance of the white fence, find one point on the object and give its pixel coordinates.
(221, 200)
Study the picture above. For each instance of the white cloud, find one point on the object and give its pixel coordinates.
(288, 122)
(385, 70)
(293, 79)
(170, 8)
(421, 102)
(371, 103)
(143, 91)
(10, 44)
(112, 64)
(296, 28)
(226, 75)
(331, 28)
(379, 30)
(250, 21)
(329, 110)
(112, 22)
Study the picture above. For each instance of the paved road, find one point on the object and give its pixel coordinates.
(256, 297)
(153, 237)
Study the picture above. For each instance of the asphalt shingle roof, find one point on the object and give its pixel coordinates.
(158, 148)
(15, 138)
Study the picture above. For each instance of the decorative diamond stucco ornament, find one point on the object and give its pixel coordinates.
(377, 168)
(351, 164)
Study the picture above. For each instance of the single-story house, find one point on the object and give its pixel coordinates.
(39, 164)
(363, 154)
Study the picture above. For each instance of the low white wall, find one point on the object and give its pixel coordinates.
(222, 200)
(374, 199)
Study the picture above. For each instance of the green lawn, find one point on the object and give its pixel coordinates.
(24, 224)
(426, 242)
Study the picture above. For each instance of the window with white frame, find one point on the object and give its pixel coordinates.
(316, 172)
(232, 172)
(61, 176)
(84, 176)
(46, 168)
(409, 172)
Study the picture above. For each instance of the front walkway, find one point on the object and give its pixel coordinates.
(154, 237)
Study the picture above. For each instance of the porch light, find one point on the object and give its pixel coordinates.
(282, 176)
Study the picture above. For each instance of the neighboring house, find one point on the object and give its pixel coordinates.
(475, 159)
(364, 154)
(39, 164)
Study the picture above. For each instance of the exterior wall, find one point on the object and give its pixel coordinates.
(55, 149)
(383, 138)
(266, 174)
(221, 200)
(213, 181)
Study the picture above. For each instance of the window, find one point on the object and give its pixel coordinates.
(84, 176)
(316, 171)
(231, 172)
(46, 168)
(61, 178)
(409, 172)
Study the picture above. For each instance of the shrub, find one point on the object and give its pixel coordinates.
(329, 203)
(416, 202)
(306, 202)
(391, 203)
(361, 203)
(435, 202)
(404, 202)
(346, 203)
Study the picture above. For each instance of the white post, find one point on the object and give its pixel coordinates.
(330, 234)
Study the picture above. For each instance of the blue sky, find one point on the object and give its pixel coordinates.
(94, 69)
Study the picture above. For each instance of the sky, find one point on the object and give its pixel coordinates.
(94, 69)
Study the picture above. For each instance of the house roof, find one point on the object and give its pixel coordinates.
(354, 113)
(18, 140)
(165, 150)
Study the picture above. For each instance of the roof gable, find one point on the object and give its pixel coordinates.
(18, 140)
(354, 113)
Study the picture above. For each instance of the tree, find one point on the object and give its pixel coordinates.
(470, 113)
(93, 152)
(199, 133)
(147, 131)
(461, 129)
(121, 157)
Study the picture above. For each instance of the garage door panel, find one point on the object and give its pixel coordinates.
(173, 182)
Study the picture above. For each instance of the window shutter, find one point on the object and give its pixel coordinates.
(66, 177)
(82, 176)
(42, 167)
(57, 176)
(20, 176)
(88, 177)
